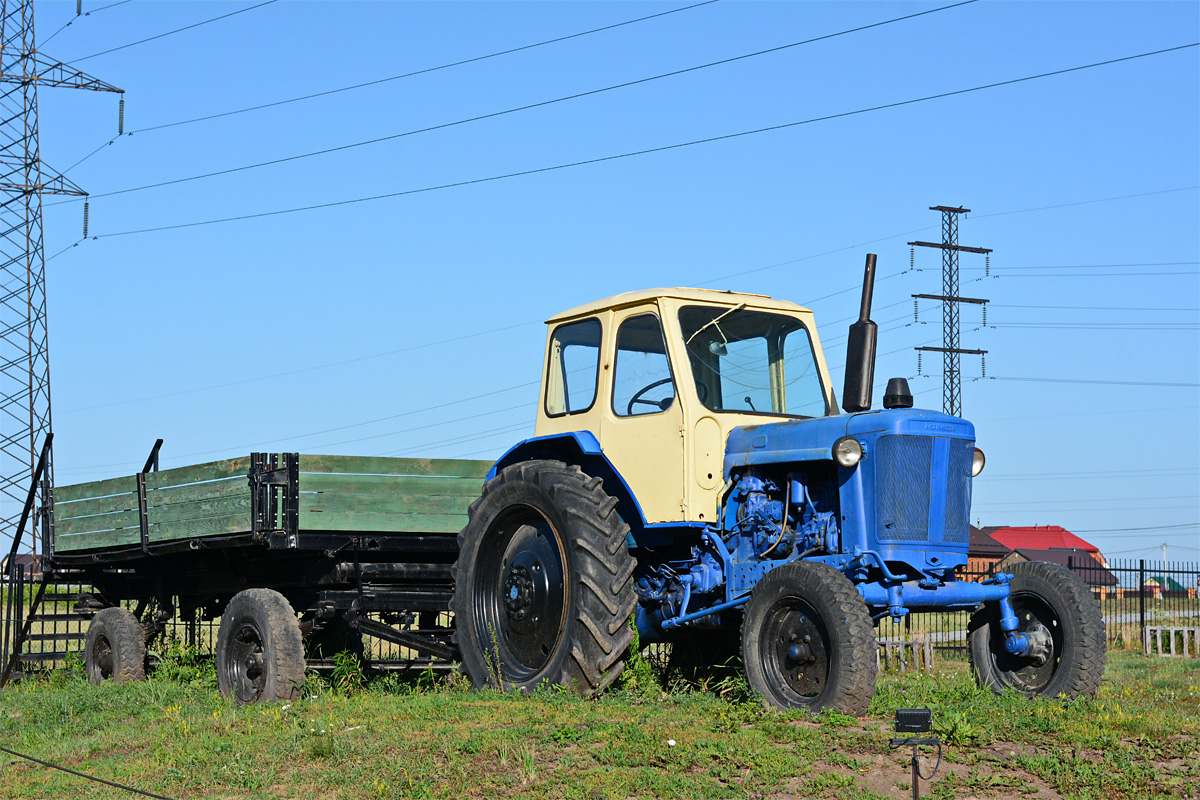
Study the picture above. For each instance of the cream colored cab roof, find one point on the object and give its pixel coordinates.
(708, 296)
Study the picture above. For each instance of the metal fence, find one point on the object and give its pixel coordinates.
(1134, 596)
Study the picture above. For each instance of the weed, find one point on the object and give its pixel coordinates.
(347, 676)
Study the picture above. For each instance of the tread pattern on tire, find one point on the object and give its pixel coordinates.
(1085, 649)
(283, 648)
(126, 639)
(601, 595)
(852, 669)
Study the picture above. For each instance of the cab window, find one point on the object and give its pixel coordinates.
(573, 368)
(642, 382)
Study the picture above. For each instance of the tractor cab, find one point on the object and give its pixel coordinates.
(661, 377)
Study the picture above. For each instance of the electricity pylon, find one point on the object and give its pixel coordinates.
(951, 374)
(24, 354)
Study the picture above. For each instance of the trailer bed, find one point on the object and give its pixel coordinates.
(259, 494)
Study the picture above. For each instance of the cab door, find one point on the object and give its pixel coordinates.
(642, 424)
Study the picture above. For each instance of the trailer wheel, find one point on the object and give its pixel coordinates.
(115, 648)
(808, 642)
(1048, 599)
(543, 582)
(260, 652)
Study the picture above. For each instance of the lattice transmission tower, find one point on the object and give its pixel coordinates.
(24, 178)
(950, 350)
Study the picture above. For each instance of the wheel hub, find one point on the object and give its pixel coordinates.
(519, 592)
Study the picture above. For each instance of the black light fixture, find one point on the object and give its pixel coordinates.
(916, 720)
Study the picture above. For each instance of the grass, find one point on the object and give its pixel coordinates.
(428, 736)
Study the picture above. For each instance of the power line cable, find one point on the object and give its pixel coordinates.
(1095, 382)
(74, 17)
(647, 151)
(517, 109)
(381, 80)
(1080, 266)
(83, 774)
(1143, 528)
(306, 369)
(1086, 202)
(170, 33)
(424, 71)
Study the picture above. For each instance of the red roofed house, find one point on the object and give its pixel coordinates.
(1045, 537)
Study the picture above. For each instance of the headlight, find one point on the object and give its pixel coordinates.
(977, 462)
(847, 451)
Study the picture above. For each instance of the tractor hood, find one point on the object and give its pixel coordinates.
(811, 439)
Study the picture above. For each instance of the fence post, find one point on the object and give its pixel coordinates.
(1142, 604)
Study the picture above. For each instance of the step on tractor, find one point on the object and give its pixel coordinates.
(692, 477)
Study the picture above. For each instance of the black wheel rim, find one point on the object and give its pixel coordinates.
(795, 652)
(520, 593)
(245, 662)
(101, 658)
(1022, 673)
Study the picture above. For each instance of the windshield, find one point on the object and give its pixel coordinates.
(752, 362)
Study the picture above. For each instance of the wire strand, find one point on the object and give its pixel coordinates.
(516, 109)
(170, 33)
(647, 151)
(84, 775)
(425, 71)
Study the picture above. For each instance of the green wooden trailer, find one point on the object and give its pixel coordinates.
(295, 553)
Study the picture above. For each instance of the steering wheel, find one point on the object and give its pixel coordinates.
(663, 404)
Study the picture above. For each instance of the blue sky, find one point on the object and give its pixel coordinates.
(413, 325)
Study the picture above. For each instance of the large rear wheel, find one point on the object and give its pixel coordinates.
(808, 642)
(542, 585)
(1057, 611)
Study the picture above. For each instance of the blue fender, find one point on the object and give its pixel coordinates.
(583, 449)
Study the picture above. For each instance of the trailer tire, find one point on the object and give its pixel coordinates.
(808, 641)
(260, 652)
(115, 648)
(543, 583)
(1055, 598)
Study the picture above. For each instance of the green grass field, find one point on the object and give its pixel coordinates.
(428, 736)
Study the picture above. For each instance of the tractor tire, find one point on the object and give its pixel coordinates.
(260, 652)
(1045, 596)
(543, 587)
(115, 648)
(808, 641)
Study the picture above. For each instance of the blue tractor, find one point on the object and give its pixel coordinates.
(692, 475)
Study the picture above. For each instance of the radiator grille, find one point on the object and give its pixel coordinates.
(958, 492)
(902, 487)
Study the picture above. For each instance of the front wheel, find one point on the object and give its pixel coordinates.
(260, 652)
(1056, 609)
(543, 583)
(808, 642)
(115, 648)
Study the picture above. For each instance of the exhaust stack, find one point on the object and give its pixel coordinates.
(860, 349)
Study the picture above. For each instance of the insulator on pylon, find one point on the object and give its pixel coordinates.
(78, 7)
(916, 306)
(983, 366)
(985, 315)
(912, 258)
(121, 117)
(987, 265)
(85, 218)
(918, 362)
